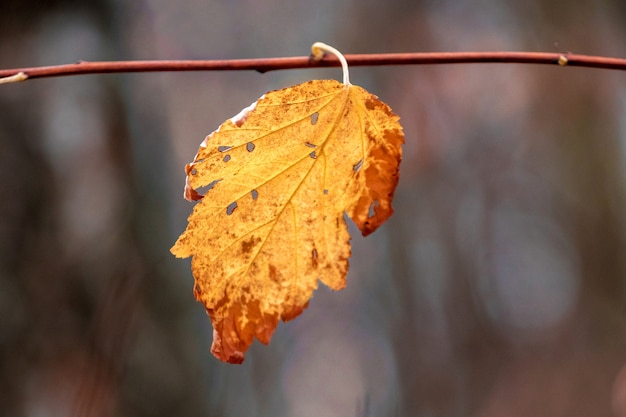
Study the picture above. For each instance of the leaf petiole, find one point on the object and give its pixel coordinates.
(319, 48)
(20, 76)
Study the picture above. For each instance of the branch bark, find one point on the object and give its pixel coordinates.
(272, 64)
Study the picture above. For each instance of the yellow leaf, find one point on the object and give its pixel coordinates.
(278, 178)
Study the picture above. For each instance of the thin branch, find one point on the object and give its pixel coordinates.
(271, 64)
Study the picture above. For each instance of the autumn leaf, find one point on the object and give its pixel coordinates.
(278, 179)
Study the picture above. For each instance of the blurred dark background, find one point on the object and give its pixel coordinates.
(498, 288)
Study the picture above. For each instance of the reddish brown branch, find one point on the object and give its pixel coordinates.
(271, 64)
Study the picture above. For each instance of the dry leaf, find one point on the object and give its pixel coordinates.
(278, 178)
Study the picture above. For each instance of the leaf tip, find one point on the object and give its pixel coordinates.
(224, 353)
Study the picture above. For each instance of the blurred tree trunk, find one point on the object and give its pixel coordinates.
(88, 314)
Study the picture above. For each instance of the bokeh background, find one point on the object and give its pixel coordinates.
(498, 288)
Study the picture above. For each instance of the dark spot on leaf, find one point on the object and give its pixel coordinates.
(310, 145)
(325, 192)
(247, 245)
(239, 121)
(224, 148)
(193, 171)
(273, 273)
(255, 194)
(314, 117)
(250, 146)
(314, 258)
(231, 207)
(370, 103)
(313, 155)
(356, 167)
(226, 158)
